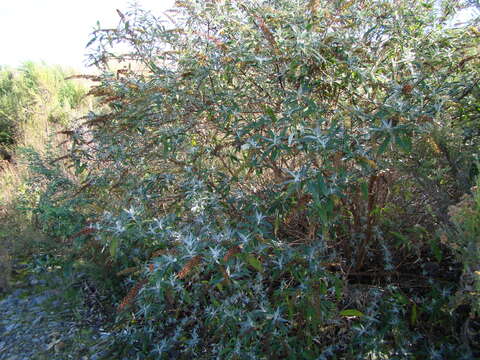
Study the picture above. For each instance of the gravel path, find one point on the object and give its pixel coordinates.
(37, 323)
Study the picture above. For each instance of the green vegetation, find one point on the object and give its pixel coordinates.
(31, 92)
(36, 102)
(276, 179)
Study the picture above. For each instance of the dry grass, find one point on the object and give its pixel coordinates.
(17, 231)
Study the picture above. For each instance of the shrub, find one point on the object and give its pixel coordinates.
(263, 175)
(465, 243)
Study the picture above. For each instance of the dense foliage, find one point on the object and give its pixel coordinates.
(36, 102)
(272, 179)
(31, 91)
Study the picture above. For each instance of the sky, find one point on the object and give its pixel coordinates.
(56, 31)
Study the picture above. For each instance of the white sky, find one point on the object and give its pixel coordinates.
(56, 31)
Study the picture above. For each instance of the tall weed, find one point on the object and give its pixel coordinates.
(36, 103)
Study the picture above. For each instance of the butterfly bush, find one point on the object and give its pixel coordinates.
(268, 170)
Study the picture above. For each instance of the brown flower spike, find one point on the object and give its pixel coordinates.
(407, 89)
(132, 294)
(232, 252)
(189, 266)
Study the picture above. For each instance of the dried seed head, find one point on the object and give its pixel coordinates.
(407, 89)
(132, 294)
(425, 118)
(158, 253)
(161, 252)
(232, 252)
(313, 6)
(189, 266)
(267, 33)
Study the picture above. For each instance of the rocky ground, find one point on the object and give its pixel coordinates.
(38, 320)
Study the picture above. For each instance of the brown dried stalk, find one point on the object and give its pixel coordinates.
(100, 119)
(128, 270)
(87, 77)
(85, 231)
(59, 159)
